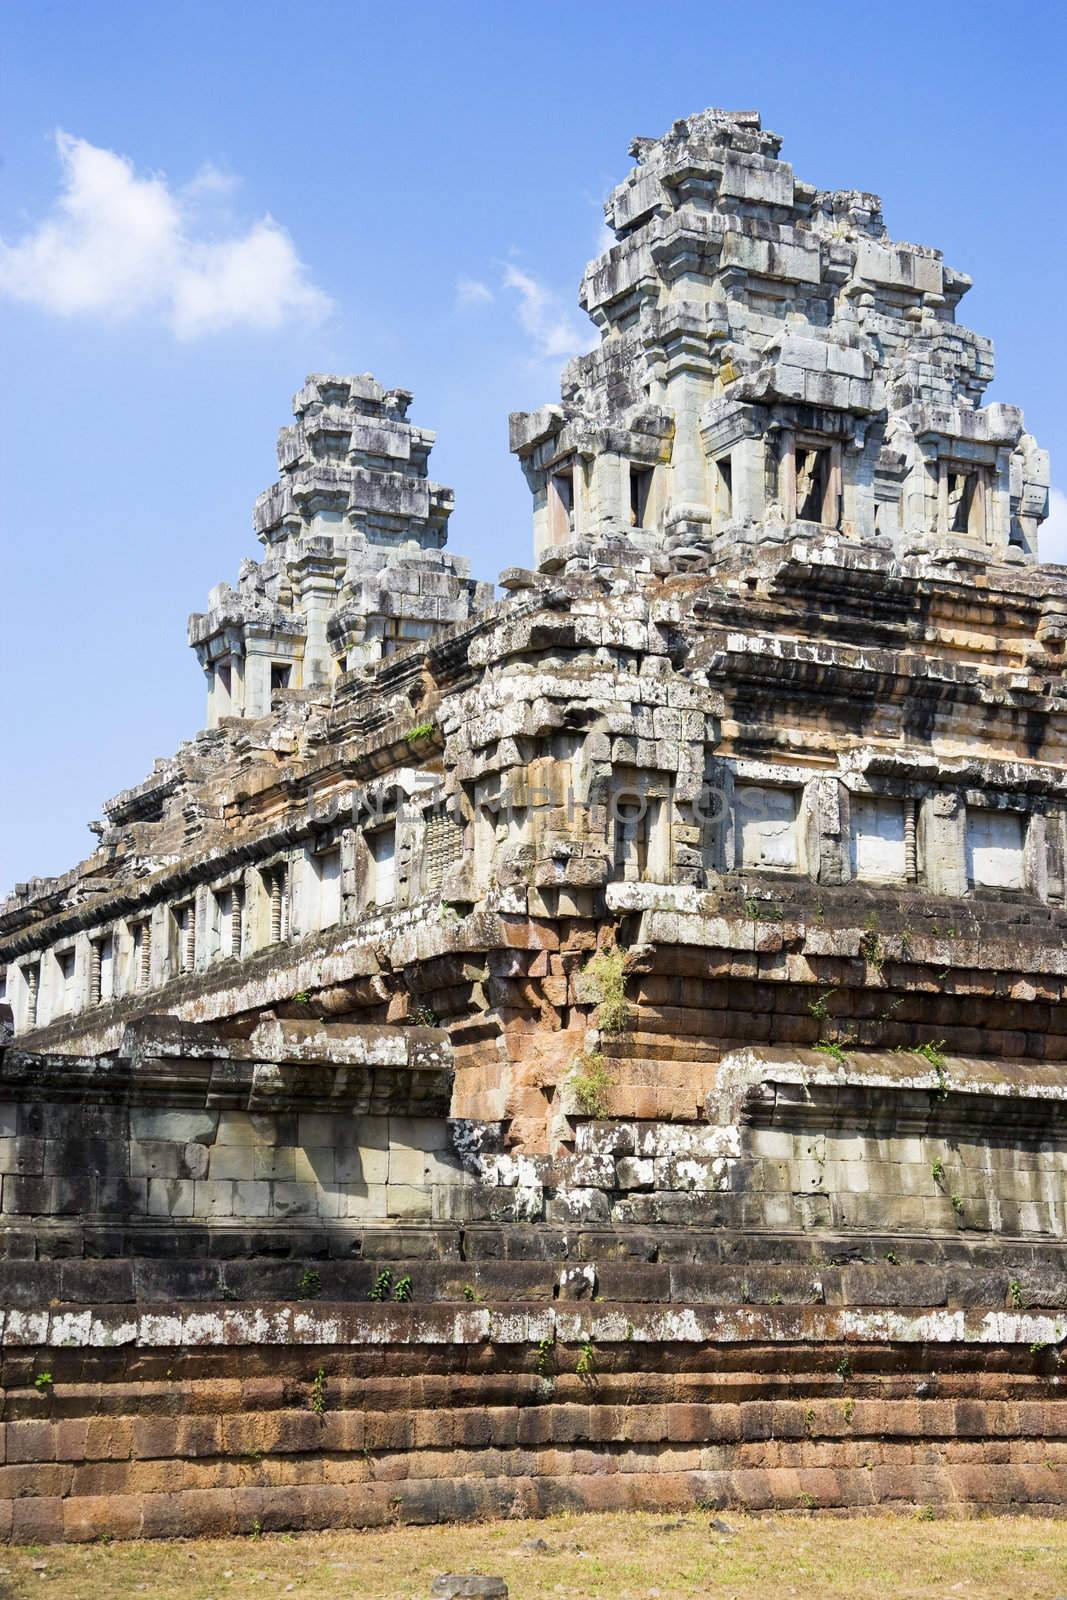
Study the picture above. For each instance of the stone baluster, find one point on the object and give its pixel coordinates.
(277, 886)
(910, 869)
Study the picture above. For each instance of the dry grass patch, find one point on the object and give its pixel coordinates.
(610, 1557)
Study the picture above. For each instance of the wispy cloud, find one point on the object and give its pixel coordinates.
(118, 245)
(208, 179)
(555, 333)
(1052, 539)
(473, 292)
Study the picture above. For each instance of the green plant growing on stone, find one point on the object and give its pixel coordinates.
(302, 998)
(843, 1368)
(43, 1382)
(310, 1284)
(424, 1016)
(762, 910)
(545, 1360)
(807, 1500)
(872, 949)
(383, 1283)
(819, 1008)
(468, 1292)
(421, 730)
(850, 1411)
(957, 1204)
(318, 1393)
(830, 1047)
(402, 1290)
(926, 1514)
(809, 1422)
(604, 982)
(1015, 1295)
(933, 1051)
(938, 1171)
(892, 1257)
(586, 1364)
(590, 1083)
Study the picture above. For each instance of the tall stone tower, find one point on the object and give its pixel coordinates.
(773, 366)
(355, 565)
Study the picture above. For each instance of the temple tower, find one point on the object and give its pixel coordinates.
(355, 566)
(773, 366)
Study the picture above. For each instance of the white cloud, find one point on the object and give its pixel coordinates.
(1052, 537)
(208, 179)
(118, 245)
(473, 292)
(554, 333)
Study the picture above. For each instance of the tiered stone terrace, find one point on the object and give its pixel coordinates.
(602, 1046)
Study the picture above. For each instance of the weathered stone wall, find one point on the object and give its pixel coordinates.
(792, 1147)
(849, 1290)
(178, 1420)
(146, 1162)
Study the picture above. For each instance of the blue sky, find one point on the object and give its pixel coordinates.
(200, 203)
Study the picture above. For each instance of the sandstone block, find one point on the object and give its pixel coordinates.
(184, 1127)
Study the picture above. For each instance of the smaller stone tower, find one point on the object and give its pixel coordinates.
(355, 565)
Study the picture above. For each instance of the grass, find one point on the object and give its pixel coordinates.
(604, 982)
(590, 1082)
(603, 1557)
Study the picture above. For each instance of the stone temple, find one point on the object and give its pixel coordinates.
(606, 1045)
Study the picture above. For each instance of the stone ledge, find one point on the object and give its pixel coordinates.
(283, 1064)
(761, 1082)
(203, 1325)
(586, 1484)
